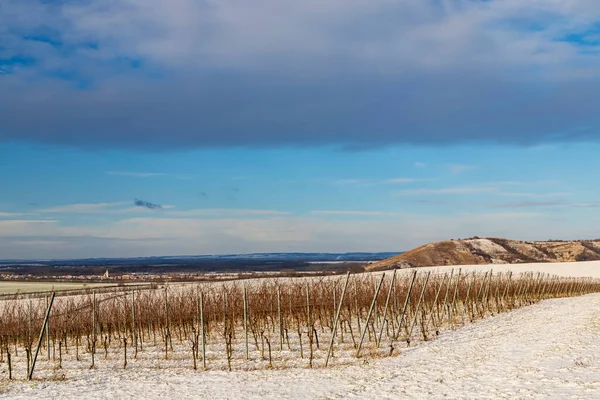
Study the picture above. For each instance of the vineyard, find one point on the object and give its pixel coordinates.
(257, 324)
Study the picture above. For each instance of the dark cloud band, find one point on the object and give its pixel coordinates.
(258, 111)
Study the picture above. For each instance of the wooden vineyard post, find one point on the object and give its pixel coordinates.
(542, 290)
(246, 321)
(279, 318)
(28, 351)
(29, 338)
(358, 309)
(412, 283)
(516, 292)
(465, 308)
(487, 293)
(337, 317)
(48, 332)
(453, 305)
(9, 364)
(167, 331)
(125, 352)
(435, 305)
(334, 292)
(310, 327)
(364, 332)
(134, 328)
(505, 295)
(225, 314)
(387, 302)
(418, 306)
(93, 328)
(497, 293)
(440, 318)
(202, 330)
(480, 291)
(308, 304)
(37, 350)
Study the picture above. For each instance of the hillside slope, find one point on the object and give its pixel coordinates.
(476, 251)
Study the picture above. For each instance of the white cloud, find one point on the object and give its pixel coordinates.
(456, 169)
(385, 36)
(535, 195)
(168, 236)
(492, 188)
(147, 174)
(136, 174)
(114, 208)
(83, 208)
(126, 208)
(403, 180)
(211, 212)
(371, 182)
(354, 181)
(355, 213)
(447, 190)
(11, 214)
(399, 33)
(16, 227)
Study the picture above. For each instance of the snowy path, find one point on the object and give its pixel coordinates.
(551, 349)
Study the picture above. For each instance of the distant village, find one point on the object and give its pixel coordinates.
(107, 277)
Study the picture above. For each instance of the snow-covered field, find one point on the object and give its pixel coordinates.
(26, 287)
(577, 269)
(548, 350)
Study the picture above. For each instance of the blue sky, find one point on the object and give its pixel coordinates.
(294, 126)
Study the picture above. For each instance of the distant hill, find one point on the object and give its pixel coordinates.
(186, 259)
(476, 250)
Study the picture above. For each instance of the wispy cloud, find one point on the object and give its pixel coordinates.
(354, 182)
(136, 174)
(456, 169)
(533, 204)
(403, 180)
(527, 204)
(143, 175)
(534, 195)
(147, 204)
(114, 208)
(585, 205)
(82, 208)
(495, 188)
(419, 164)
(11, 214)
(447, 190)
(216, 212)
(501, 215)
(358, 213)
(372, 182)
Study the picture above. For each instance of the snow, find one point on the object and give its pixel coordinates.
(547, 350)
(487, 246)
(575, 269)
